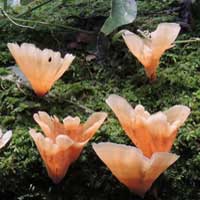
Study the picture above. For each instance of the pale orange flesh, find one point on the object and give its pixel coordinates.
(63, 143)
(131, 167)
(149, 50)
(42, 68)
(150, 133)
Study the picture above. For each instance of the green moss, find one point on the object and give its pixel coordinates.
(82, 90)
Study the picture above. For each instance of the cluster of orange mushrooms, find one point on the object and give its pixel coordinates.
(153, 135)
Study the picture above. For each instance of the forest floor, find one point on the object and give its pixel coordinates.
(84, 88)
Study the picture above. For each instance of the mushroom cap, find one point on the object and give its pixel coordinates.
(149, 50)
(163, 37)
(57, 155)
(151, 133)
(131, 167)
(41, 67)
(63, 143)
(71, 126)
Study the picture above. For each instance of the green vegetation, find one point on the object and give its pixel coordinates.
(84, 88)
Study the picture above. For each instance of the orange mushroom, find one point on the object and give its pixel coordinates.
(131, 167)
(149, 50)
(63, 143)
(5, 138)
(150, 133)
(41, 67)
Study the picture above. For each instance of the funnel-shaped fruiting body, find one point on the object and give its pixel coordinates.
(131, 167)
(41, 67)
(5, 138)
(150, 133)
(149, 50)
(63, 142)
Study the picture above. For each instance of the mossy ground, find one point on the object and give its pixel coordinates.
(84, 88)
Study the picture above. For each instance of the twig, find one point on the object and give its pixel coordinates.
(12, 21)
(50, 96)
(187, 41)
(88, 110)
(29, 10)
(56, 25)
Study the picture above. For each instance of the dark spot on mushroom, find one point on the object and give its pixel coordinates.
(50, 59)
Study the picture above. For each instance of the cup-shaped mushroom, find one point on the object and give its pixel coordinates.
(5, 138)
(42, 68)
(63, 142)
(150, 133)
(57, 154)
(131, 167)
(149, 50)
